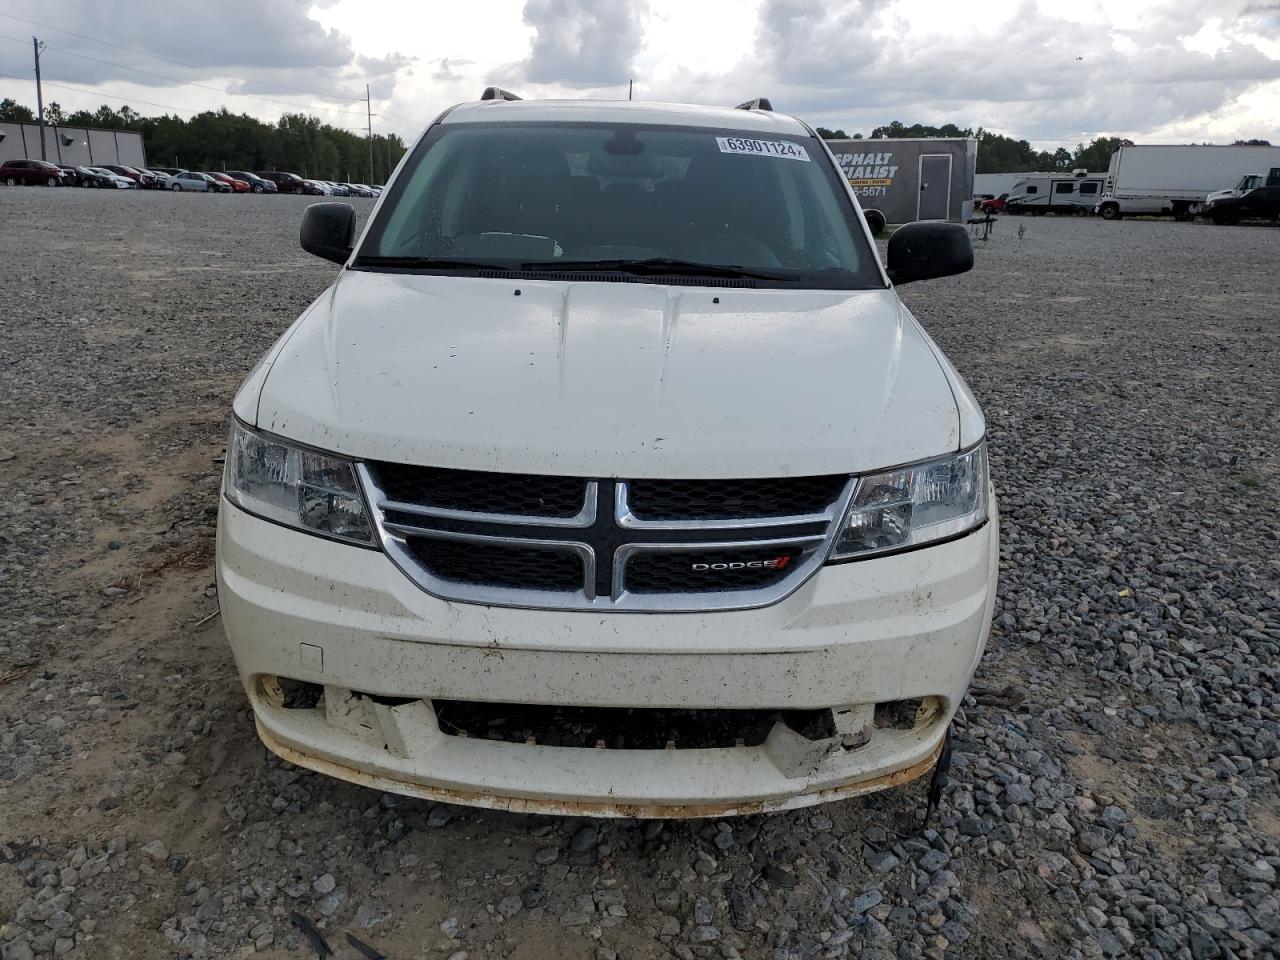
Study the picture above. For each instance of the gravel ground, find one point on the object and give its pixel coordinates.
(1114, 788)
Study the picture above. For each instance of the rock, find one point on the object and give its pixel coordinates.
(865, 901)
(704, 933)
(881, 861)
(584, 840)
(370, 914)
(934, 860)
(509, 906)
(155, 850)
(324, 883)
(329, 905)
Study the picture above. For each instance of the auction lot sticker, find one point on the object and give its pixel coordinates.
(763, 148)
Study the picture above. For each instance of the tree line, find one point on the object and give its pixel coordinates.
(222, 140)
(998, 153)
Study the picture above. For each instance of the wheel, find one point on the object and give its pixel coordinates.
(11, 181)
(1110, 211)
(51, 182)
(1226, 218)
(257, 188)
(176, 188)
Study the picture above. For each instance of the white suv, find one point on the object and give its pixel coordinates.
(610, 476)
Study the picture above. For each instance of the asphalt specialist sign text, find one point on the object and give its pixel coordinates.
(868, 173)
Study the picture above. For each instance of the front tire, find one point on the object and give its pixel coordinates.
(176, 188)
(51, 182)
(257, 188)
(11, 181)
(1110, 211)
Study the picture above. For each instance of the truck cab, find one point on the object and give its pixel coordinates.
(1249, 181)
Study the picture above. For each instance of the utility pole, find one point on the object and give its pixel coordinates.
(37, 46)
(630, 84)
(368, 105)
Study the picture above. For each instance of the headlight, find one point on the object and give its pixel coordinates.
(301, 488)
(915, 505)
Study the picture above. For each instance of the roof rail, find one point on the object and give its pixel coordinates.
(759, 103)
(497, 93)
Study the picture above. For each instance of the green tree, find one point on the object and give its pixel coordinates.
(53, 113)
(14, 112)
(1096, 157)
(836, 134)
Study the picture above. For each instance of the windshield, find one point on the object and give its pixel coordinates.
(670, 200)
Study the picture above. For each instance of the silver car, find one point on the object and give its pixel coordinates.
(190, 180)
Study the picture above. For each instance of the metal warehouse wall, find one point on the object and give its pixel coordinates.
(906, 180)
(78, 145)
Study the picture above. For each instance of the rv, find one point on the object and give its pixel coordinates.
(1175, 180)
(1055, 193)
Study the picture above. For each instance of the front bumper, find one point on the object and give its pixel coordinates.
(895, 628)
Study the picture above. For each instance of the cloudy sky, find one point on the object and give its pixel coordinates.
(1052, 71)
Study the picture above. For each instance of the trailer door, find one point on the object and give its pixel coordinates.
(1090, 190)
(935, 187)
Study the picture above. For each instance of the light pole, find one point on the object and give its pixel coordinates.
(37, 46)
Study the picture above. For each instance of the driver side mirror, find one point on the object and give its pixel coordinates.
(329, 231)
(923, 251)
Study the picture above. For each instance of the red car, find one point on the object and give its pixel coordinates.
(996, 204)
(31, 173)
(238, 186)
(143, 178)
(285, 182)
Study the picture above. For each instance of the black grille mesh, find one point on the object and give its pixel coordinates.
(511, 493)
(732, 499)
(499, 565)
(619, 728)
(672, 571)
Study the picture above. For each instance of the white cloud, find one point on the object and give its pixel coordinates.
(1050, 71)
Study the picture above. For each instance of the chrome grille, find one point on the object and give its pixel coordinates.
(571, 543)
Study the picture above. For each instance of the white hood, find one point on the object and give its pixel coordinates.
(607, 379)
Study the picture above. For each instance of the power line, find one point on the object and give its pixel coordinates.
(192, 83)
(109, 96)
(181, 63)
(188, 83)
(201, 86)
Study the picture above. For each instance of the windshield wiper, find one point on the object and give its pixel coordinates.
(429, 263)
(656, 266)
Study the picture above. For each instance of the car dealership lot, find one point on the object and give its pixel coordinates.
(1114, 786)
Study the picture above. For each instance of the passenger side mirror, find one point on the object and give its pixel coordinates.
(328, 231)
(923, 251)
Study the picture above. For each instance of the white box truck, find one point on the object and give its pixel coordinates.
(1175, 180)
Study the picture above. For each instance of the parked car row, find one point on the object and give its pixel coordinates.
(292, 183)
(113, 176)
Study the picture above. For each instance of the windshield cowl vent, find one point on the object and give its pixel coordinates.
(593, 277)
